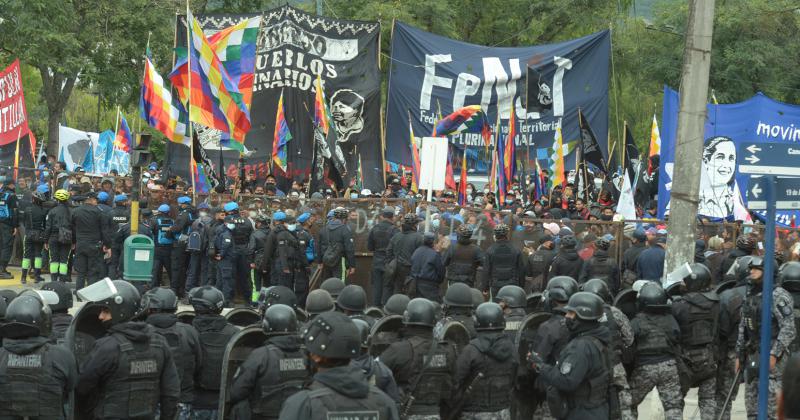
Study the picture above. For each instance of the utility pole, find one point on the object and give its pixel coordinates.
(319, 7)
(691, 127)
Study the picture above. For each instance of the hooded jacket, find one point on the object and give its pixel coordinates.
(566, 263)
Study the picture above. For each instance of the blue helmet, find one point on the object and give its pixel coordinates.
(278, 216)
(120, 197)
(164, 208)
(43, 189)
(102, 196)
(330, 215)
(303, 217)
(184, 200)
(230, 206)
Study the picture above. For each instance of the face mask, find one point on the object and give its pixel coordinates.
(469, 191)
(231, 226)
(572, 323)
(46, 174)
(106, 324)
(291, 228)
(353, 196)
(508, 202)
(519, 228)
(203, 214)
(606, 217)
(252, 213)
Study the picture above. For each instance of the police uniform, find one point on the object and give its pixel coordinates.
(197, 272)
(285, 258)
(730, 313)
(178, 260)
(427, 271)
(336, 235)
(255, 252)
(59, 245)
(225, 251)
(491, 354)
(401, 247)
(162, 254)
(120, 216)
(9, 221)
(503, 265)
(34, 219)
(240, 263)
(462, 260)
(782, 334)
(89, 243)
(302, 273)
(620, 343)
(538, 267)
(214, 332)
(377, 242)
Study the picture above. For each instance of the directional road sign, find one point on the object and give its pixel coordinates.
(787, 193)
(769, 159)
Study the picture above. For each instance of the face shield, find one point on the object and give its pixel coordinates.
(47, 297)
(98, 292)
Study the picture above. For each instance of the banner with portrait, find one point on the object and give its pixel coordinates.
(431, 76)
(723, 189)
(293, 48)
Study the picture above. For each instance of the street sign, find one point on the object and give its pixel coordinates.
(787, 193)
(780, 159)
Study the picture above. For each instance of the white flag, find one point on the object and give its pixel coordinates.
(626, 206)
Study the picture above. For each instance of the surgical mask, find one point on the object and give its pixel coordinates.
(203, 214)
(606, 217)
(353, 196)
(291, 228)
(252, 213)
(231, 226)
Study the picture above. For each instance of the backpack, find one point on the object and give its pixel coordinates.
(194, 242)
(5, 213)
(332, 256)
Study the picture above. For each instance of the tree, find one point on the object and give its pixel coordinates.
(92, 43)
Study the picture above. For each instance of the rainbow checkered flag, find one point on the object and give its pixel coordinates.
(159, 108)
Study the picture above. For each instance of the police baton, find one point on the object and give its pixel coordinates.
(467, 392)
(730, 392)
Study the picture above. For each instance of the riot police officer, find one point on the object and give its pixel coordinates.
(620, 342)
(539, 264)
(274, 372)
(130, 372)
(120, 216)
(374, 370)
(225, 256)
(583, 372)
(457, 307)
(162, 255)
(92, 238)
(783, 332)
(426, 387)
(180, 234)
(601, 266)
(513, 301)
(339, 390)
(332, 285)
(352, 301)
(197, 247)
(34, 217)
(401, 247)
(697, 314)
(566, 262)
(9, 222)
(552, 335)
(335, 244)
(255, 250)
(284, 256)
(657, 335)
(305, 241)
(486, 368)
(37, 376)
(214, 332)
(462, 258)
(242, 228)
(60, 318)
(58, 236)
(319, 301)
(159, 306)
(504, 264)
(396, 304)
(377, 242)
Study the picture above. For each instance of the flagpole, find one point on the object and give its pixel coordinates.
(611, 153)
(189, 96)
(16, 154)
(146, 48)
(624, 146)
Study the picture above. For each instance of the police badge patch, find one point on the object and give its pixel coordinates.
(566, 368)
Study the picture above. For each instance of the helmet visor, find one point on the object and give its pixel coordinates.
(98, 292)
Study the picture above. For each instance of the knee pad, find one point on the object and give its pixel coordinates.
(54, 267)
(62, 269)
(26, 263)
(37, 262)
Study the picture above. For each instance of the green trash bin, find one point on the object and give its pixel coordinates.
(138, 258)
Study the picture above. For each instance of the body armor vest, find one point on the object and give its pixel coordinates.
(504, 265)
(214, 344)
(491, 393)
(615, 345)
(286, 374)
(436, 383)
(327, 404)
(133, 390)
(462, 265)
(182, 354)
(28, 386)
(653, 339)
(751, 317)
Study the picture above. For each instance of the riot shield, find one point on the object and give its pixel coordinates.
(185, 317)
(374, 312)
(527, 333)
(726, 285)
(385, 332)
(455, 333)
(240, 346)
(80, 337)
(243, 317)
(534, 303)
(626, 302)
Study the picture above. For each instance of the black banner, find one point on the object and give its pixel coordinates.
(293, 47)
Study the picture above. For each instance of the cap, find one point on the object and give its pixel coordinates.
(184, 200)
(303, 217)
(103, 196)
(153, 166)
(278, 216)
(230, 206)
(85, 180)
(120, 197)
(388, 211)
(552, 227)
(164, 208)
(609, 237)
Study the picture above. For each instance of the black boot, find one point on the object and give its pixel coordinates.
(24, 277)
(37, 275)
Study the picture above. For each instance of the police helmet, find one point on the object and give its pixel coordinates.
(560, 288)
(464, 231)
(120, 297)
(396, 304)
(746, 243)
(568, 242)
(206, 299)
(61, 195)
(333, 335)
(477, 297)
(789, 271)
(651, 296)
(340, 213)
(458, 295)
(27, 316)
(410, 219)
(319, 301)
(363, 331)
(275, 295)
(501, 230)
(64, 295)
(598, 287)
(420, 312)
(333, 285)
(756, 262)
(352, 298)
(160, 299)
(699, 279)
(602, 243)
(513, 296)
(743, 268)
(587, 306)
(429, 238)
(7, 295)
(489, 317)
(279, 320)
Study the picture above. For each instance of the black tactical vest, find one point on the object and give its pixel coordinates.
(381, 235)
(462, 265)
(241, 233)
(436, 369)
(504, 264)
(751, 316)
(327, 404)
(593, 391)
(653, 339)
(213, 344)
(701, 324)
(27, 385)
(286, 374)
(492, 392)
(182, 354)
(133, 390)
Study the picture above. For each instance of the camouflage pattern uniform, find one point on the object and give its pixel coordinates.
(620, 376)
(504, 414)
(747, 344)
(664, 375)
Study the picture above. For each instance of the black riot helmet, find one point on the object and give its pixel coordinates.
(420, 312)
(276, 295)
(458, 295)
(464, 233)
(489, 317)
(353, 298)
(652, 297)
(333, 335)
(559, 289)
(396, 304)
(363, 331)
(64, 296)
(587, 306)
(29, 315)
(699, 279)
(319, 301)
(789, 271)
(333, 285)
(120, 297)
(160, 299)
(743, 268)
(279, 320)
(599, 287)
(206, 300)
(513, 296)
(477, 297)
(756, 262)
